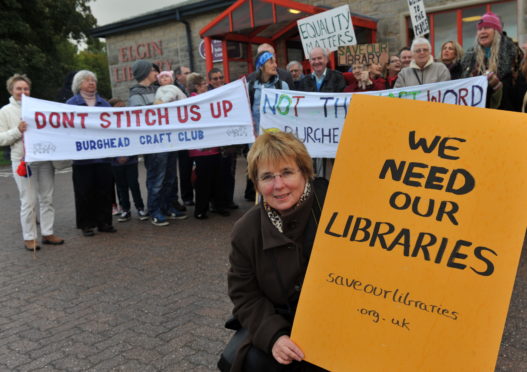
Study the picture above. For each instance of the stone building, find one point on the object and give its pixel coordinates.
(173, 36)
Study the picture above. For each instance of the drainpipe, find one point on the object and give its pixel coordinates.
(189, 41)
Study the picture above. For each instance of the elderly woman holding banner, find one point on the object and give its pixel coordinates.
(271, 246)
(93, 178)
(35, 182)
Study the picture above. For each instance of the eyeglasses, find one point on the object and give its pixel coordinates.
(216, 78)
(422, 50)
(287, 174)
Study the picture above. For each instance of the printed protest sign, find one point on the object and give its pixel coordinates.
(418, 17)
(364, 54)
(419, 240)
(60, 132)
(317, 118)
(329, 29)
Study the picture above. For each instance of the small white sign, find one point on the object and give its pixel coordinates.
(329, 30)
(419, 18)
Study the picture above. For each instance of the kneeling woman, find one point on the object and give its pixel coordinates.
(271, 245)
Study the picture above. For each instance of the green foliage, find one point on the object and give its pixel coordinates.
(36, 39)
(94, 59)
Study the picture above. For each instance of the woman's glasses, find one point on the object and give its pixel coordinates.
(269, 178)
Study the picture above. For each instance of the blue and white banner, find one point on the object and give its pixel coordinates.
(58, 131)
(317, 118)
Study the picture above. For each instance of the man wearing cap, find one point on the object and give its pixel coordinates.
(143, 93)
(496, 56)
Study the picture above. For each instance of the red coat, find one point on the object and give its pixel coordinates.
(353, 84)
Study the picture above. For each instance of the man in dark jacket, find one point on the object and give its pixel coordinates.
(322, 79)
(180, 81)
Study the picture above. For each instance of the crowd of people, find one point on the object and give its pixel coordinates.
(271, 244)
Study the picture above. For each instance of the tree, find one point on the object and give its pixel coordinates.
(94, 58)
(35, 39)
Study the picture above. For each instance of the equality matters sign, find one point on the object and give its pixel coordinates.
(59, 132)
(328, 30)
(317, 118)
(418, 17)
(419, 241)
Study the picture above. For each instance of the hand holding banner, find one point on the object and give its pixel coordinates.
(65, 132)
(317, 118)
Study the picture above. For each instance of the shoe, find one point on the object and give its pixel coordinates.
(221, 212)
(88, 231)
(174, 214)
(159, 221)
(179, 206)
(31, 245)
(125, 216)
(201, 216)
(107, 229)
(116, 210)
(232, 205)
(52, 239)
(143, 216)
(188, 203)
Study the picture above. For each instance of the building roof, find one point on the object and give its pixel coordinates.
(173, 13)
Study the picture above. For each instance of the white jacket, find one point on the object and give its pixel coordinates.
(10, 116)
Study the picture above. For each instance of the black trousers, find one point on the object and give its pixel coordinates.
(127, 178)
(185, 175)
(93, 189)
(228, 174)
(208, 183)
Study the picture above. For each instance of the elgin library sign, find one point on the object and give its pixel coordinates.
(150, 50)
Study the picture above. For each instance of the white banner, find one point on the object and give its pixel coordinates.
(317, 118)
(329, 29)
(61, 132)
(418, 17)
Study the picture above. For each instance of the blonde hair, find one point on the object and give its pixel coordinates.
(481, 68)
(194, 80)
(13, 79)
(274, 147)
(458, 48)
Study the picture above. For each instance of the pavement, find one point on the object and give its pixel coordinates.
(143, 299)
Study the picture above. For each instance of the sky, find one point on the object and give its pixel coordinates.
(109, 11)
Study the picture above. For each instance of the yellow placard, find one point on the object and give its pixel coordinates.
(419, 241)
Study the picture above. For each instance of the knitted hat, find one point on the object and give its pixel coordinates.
(165, 73)
(490, 20)
(141, 69)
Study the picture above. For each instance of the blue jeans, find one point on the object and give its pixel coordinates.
(161, 173)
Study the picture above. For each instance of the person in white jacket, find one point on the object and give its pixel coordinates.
(39, 183)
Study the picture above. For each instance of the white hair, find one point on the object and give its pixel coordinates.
(292, 63)
(79, 78)
(419, 41)
(324, 52)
